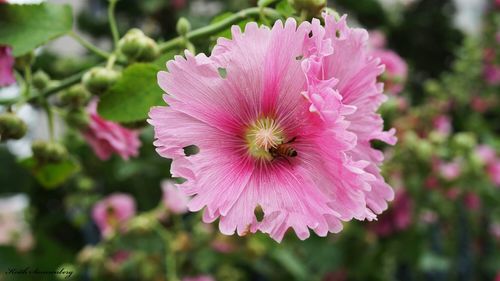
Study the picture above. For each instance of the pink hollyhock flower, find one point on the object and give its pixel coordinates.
(492, 74)
(396, 70)
(493, 170)
(377, 39)
(450, 171)
(174, 200)
(480, 104)
(199, 278)
(107, 137)
(286, 129)
(6, 67)
(442, 124)
(398, 218)
(431, 182)
(110, 213)
(485, 153)
(472, 201)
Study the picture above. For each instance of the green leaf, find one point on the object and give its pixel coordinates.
(285, 9)
(51, 175)
(130, 99)
(25, 27)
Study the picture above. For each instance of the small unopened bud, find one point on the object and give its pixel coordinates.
(98, 79)
(311, 7)
(75, 97)
(77, 118)
(48, 152)
(11, 127)
(138, 47)
(183, 26)
(41, 80)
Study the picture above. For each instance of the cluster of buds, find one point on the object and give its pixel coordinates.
(11, 127)
(136, 46)
(49, 152)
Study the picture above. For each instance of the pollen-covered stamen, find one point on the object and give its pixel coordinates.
(262, 135)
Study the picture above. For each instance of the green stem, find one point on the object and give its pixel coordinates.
(112, 21)
(63, 84)
(170, 263)
(27, 80)
(50, 119)
(217, 27)
(89, 46)
(111, 61)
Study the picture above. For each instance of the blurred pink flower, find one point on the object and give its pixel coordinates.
(472, 201)
(222, 245)
(492, 74)
(6, 67)
(431, 182)
(174, 200)
(396, 70)
(377, 39)
(497, 278)
(111, 212)
(480, 104)
(106, 137)
(451, 170)
(397, 218)
(338, 275)
(120, 256)
(442, 124)
(278, 85)
(428, 217)
(178, 4)
(453, 193)
(486, 153)
(493, 170)
(199, 278)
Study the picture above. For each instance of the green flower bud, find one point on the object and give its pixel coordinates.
(11, 127)
(77, 118)
(75, 97)
(183, 26)
(98, 79)
(41, 80)
(138, 47)
(48, 152)
(311, 7)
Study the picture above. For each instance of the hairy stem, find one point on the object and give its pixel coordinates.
(217, 27)
(112, 21)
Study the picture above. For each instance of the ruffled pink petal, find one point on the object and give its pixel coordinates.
(106, 137)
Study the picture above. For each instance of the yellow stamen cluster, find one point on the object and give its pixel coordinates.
(262, 135)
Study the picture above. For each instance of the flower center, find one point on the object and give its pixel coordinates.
(261, 135)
